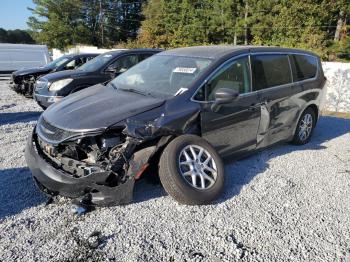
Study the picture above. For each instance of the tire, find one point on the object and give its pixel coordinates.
(180, 186)
(43, 107)
(308, 127)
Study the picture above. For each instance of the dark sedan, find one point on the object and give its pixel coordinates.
(22, 81)
(53, 87)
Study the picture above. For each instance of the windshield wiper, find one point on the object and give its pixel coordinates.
(132, 90)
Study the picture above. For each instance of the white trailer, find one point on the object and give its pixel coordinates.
(18, 56)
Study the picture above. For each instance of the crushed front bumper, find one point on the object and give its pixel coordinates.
(50, 179)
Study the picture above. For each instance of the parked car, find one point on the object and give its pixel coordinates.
(183, 109)
(53, 87)
(17, 56)
(22, 81)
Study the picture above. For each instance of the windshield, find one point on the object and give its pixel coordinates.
(57, 62)
(162, 75)
(96, 63)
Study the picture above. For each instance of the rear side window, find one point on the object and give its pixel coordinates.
(270, 70)
(144, 56)
(304, 67)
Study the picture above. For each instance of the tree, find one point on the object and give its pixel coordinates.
(62, 24)
(101, 23)
(15, 37)
(308, 24)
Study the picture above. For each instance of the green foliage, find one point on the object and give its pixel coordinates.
(308, 24)
(62, 23)
(317, 25)
(15, 37)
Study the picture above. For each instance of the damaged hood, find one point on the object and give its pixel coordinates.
(65, 74)
(34, 70)
(98, 107)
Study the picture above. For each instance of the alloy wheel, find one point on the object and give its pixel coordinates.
(305, 127)
(197, 167)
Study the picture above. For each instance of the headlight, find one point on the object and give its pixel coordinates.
(58, 85)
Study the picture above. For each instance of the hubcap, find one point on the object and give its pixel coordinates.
(197, 167)
(305, 127)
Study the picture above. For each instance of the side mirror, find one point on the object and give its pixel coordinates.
(224, 96)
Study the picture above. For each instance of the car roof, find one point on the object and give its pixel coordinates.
(138, 50)
(219, 51)
(88, 54)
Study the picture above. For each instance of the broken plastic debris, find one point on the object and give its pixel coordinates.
(79, 210)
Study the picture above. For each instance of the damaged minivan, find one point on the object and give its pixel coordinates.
(182, 111)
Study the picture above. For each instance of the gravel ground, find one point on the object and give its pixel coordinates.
(285, 203)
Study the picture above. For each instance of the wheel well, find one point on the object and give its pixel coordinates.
(315, 109)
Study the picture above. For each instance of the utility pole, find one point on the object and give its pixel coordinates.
(102, 23)
(246, 23)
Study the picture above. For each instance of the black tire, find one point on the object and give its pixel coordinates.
(43, 107)
(175, 183)
(297, 139)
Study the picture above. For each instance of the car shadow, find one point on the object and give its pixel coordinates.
(18, 192)
(240, 172)
(18, 117)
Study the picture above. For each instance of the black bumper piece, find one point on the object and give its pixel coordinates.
(50, 179)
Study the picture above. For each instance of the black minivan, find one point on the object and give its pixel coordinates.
(103, 68)
(182, 110)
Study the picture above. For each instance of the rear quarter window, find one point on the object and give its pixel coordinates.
(304, 67)
(270, 70)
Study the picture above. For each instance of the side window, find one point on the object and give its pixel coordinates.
(270, 70)
(235, 75)
(144, 56)
(124, 63)
(70, 65)
(89, 58)
(80, 61)
(304, 67)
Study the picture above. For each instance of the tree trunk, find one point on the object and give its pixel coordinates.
(340, 24)
(246, 23)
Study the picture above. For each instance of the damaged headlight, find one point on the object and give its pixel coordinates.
(58, 85)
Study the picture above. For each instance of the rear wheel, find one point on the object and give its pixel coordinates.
(191, 170)
(305, 127)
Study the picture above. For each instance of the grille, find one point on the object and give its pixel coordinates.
(51, 133)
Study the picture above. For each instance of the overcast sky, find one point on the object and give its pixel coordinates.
(14, 13)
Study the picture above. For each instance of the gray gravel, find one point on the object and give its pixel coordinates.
(285, 203)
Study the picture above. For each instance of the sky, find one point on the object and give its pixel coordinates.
(14, 13)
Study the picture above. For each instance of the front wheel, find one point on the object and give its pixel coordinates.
(191, 171)
(305, 127)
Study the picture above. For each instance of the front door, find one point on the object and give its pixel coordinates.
(232, 127)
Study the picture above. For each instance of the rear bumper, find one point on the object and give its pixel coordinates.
(50, 179)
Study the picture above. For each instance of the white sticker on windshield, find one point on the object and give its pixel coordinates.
(107, 56)
(181, 91)
(185, 70)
